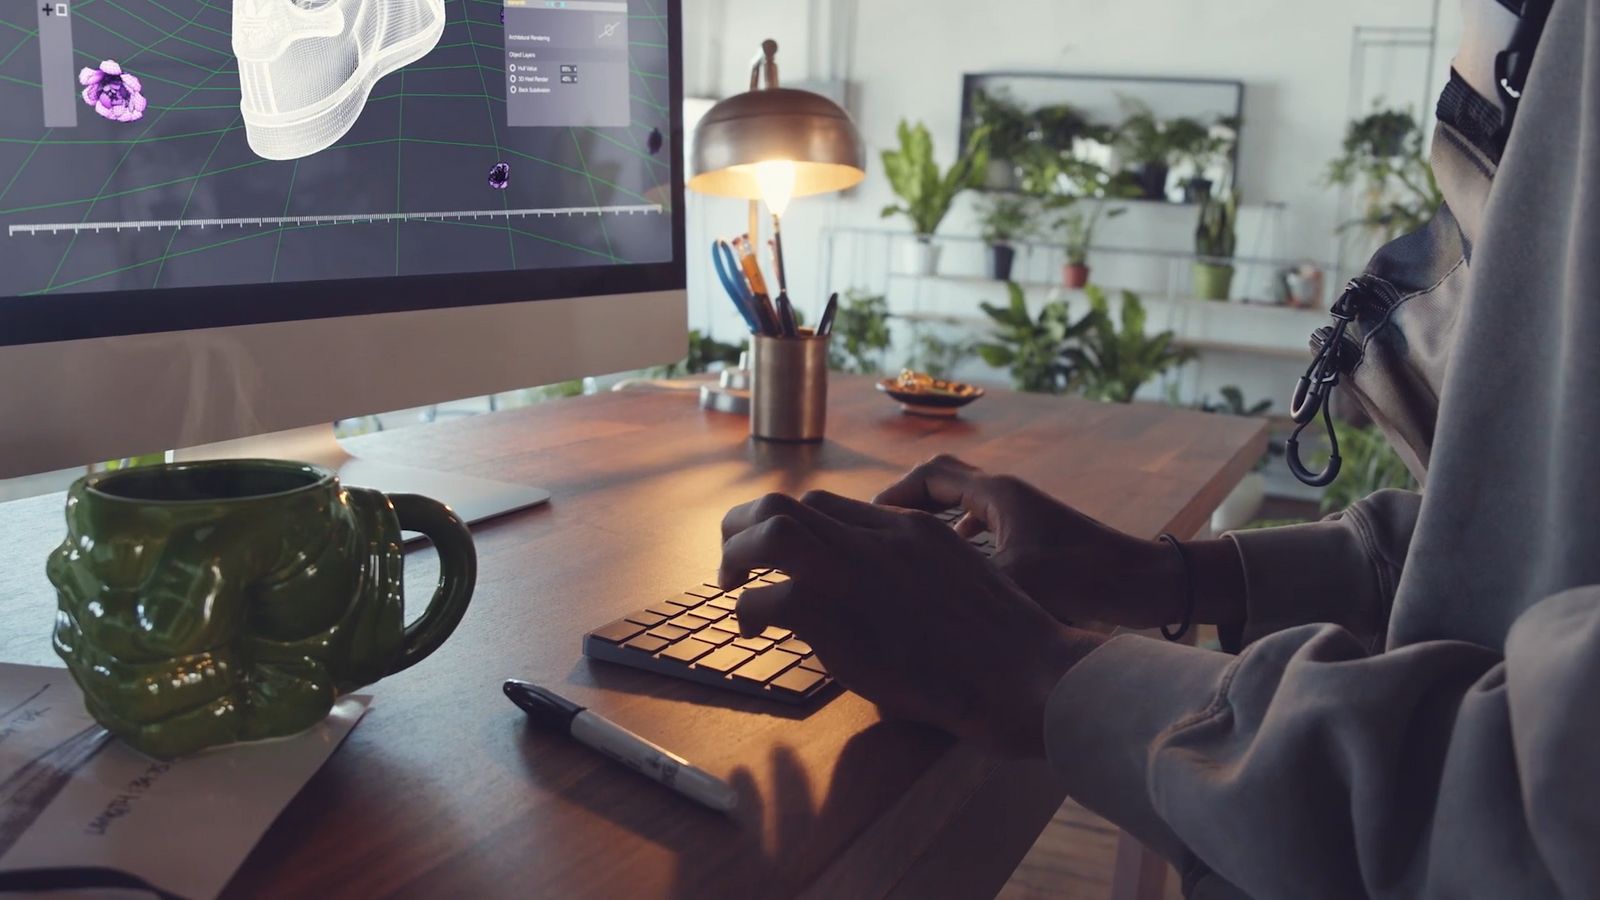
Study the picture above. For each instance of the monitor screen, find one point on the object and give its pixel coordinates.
(190, 163)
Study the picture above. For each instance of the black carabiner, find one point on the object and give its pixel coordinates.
(1314, 393)
(1291, 455)
(1321, 377)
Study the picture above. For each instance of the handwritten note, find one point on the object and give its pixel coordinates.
(73, 796)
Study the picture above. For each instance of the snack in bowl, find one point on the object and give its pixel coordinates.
(921, 394)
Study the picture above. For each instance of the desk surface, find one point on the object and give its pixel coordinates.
(443, 790)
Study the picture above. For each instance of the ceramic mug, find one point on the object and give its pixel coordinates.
(207, 603)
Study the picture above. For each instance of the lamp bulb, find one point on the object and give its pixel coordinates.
(776, 179)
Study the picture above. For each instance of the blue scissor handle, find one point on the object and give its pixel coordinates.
(732, 278)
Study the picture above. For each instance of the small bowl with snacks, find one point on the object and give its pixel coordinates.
(923, 395)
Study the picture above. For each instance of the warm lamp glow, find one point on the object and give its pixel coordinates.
(776, 178)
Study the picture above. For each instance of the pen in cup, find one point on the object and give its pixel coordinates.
(825, 324)
(786, 320)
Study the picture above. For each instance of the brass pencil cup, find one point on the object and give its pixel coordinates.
(789, 400)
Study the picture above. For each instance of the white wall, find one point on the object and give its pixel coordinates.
(906, 59)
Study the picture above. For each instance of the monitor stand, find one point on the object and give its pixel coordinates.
(473, 499)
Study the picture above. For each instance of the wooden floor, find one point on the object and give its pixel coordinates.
(1072, 860)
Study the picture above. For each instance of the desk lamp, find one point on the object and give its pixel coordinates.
(774, 144)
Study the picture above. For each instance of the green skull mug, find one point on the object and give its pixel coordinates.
(214, 602)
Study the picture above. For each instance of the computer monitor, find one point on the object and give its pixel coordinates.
(220, 220)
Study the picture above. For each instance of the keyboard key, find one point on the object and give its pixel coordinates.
(618, 631)
(725, 659)
(687, 651)
(647, 643)
(665, 610)
(775, 578)
(726, 601)
(774, 633)
(755, 644)
(764, 667)
(814, 664)
(704, 591)
(797, 680)
(729, 625)
(691, 622)
(795, 645)
(709, 613)
(669, 632)
(646, 618)
(734, 593)
(685, 601)
(713, 636)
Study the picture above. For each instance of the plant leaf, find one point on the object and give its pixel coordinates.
(996, 355)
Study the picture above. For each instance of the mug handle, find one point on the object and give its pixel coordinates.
(458, 572)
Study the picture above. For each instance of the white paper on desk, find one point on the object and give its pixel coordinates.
(71, 795)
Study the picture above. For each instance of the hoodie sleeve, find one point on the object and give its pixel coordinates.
(1343, 570)
(1306, 767)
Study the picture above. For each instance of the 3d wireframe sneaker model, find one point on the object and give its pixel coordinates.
(306, 67)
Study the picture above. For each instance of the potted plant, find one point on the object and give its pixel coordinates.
(860, 333)
(1033, 349)
(1109, 363)
(1214, 241)
(1059, 125)
(1203, 150)
(1385, 158)
(1009, 128)
(1145, 146)
(1078, 226)
(939, 357)
(1005, 218)
(1077, 189)
(926, 192)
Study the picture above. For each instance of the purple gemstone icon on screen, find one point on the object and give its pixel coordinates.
(500, 176)
(655, 141)
(113, 93)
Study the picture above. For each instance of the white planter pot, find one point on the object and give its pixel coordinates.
(1240, 507)
(919, 257)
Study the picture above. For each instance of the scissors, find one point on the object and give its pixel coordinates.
(732, 278)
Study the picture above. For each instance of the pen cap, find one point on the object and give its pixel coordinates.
(547, 710)
(789, 396)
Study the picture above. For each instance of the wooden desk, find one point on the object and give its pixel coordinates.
(443, 790)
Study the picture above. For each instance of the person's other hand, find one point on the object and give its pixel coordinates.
(904, 612)
(1072, 565)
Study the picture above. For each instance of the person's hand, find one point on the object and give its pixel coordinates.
(1073, 566)
(904, 612)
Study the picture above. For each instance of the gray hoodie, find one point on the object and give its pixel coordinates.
(1415, 707)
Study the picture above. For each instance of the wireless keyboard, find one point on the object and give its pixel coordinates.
(695, 636)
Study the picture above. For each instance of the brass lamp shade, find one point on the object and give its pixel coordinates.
(776, 124)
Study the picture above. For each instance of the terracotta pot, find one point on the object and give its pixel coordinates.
(1075, 275)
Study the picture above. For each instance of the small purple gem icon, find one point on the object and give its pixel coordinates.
(655, 141)
(113, 93)
(500, 176)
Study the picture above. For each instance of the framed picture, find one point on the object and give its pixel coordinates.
(1165, 139)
